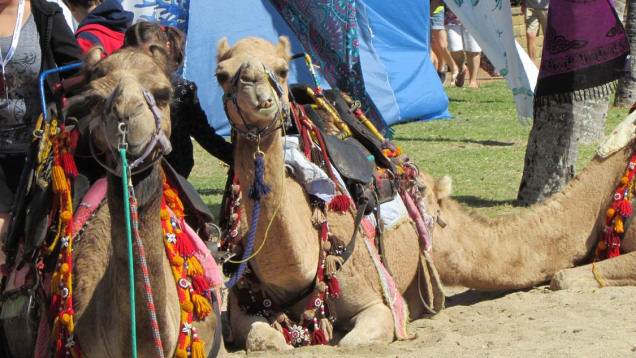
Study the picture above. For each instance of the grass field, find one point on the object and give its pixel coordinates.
(482, 148)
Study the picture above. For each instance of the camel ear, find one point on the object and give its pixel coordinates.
(160, 54)
(444, 187)
(283, 48)
(222, 49)
(92, 57)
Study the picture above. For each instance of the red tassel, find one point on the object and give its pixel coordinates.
(613, 245)
(287, 335)
(624, 208)
(340, 203)
(334, 288)
(318, 337)
(184, 246)
(68, 164)
(59, 349)
(73, 139)
(54, 308)
(199, 284)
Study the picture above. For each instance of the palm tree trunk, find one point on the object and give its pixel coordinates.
(591, 114)
(620, 6)
(626, 91)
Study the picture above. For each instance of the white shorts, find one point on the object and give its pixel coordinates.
(460, 39)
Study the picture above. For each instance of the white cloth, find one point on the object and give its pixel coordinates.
(459, 39)
(492, 28)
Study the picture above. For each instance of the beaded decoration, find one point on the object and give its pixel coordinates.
(194, 292)
(610, 241)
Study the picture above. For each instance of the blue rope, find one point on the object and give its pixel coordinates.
(258, 189)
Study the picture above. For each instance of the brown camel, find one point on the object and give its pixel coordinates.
(100, 258)
(508, 252)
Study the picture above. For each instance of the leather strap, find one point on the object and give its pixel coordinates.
(218, 331)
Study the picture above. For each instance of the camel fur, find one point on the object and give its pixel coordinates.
(100, 263)
(286, 265)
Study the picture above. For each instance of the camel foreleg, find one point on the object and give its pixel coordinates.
(374, 324)
(253, 332)
(618, 271)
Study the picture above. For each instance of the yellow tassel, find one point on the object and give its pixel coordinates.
(187, 306)
(181, 353)
(618, 224)
(55, 283)
(197, 349)
(201, 305)
(194, 267)
(59, 179)
(55, 330)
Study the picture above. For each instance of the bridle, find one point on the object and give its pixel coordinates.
(158, 146)
(254, 133)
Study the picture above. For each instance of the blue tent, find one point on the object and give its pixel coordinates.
(385, 46)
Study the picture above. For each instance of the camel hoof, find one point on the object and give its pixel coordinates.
(263, 337)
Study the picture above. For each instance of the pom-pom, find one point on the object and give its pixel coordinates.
(308, 315)
(177, 261)
(56, 280)
(65, 319)
(201, 306)
(340, 203)
(66, 216)
(196, 349)
(181, 353)
(187, 306)
(624, 181)
(602, 245)
(165, 214)
(64, 268)
(611, 212)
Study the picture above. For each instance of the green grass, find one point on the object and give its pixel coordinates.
(482, 148)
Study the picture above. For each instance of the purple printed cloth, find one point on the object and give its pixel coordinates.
(585, 48)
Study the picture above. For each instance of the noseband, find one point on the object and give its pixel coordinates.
(253, 133)
(158, 139)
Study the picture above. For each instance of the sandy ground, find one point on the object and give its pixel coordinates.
(531, 323)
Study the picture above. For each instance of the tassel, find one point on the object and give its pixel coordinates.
(68, 164)
(318, 217)
(259, 188)
(318, 337)
(287, 335)
(59, 351)
(624, 208)
(67, 320)
(197, 350)
(201, 306)
(194, 267)
(334, 288)
(316, 155)
(55, 330)
(331, 309)
(340, 203)
(337, 245)
(326, 326)
(181, 353)
(59, 179)
(333, 264)
(56, 280)
(199, 284)
(613, 247)
(54, 308)
(618, 224)
(184, 246)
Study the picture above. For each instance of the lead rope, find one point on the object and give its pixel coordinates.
(132, 227)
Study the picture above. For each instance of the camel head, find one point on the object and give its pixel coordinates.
(433, 193)
(129, 94)
(253, 75)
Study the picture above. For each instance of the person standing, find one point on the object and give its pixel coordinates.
(439, 42)
(464, 49)
(101, 23)
(34, 37)
(535, 14)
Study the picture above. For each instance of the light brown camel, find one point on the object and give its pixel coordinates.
(508, 252)
(287, 264)
(100, 258)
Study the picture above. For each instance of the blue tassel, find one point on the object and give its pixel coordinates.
(259, 188)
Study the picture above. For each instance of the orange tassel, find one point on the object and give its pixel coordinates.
(181, 353)
(59, 179)
(197, 350)
(201, 306)
(194, 267)
(618, 224)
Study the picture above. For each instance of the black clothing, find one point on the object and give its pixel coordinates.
(189, 120)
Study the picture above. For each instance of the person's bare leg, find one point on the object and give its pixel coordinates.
(445, 52)
(438, 45)
(459, 59)
(532, 44)
(473, 59)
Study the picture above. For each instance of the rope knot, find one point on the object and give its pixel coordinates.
(259, 188)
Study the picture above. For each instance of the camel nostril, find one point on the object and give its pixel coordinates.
(266, 104)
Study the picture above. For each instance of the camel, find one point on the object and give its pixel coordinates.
(100, 258)
(513, 251)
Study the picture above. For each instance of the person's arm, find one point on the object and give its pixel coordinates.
(65, 48)
(201, 130)
(523, 7)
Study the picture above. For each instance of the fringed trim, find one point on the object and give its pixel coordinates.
(578, 96)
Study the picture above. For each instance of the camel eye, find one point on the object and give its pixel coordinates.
(282, 74)
(162, 96)
(222, 77)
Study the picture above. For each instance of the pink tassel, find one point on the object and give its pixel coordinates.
(340, 203)
(334, 288)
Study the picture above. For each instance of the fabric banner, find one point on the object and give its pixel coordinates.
(490, 23)
(583, 60)
(166, 12)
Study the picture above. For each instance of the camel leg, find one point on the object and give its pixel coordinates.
(618, 271)
(374, 324)
(253, 332)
